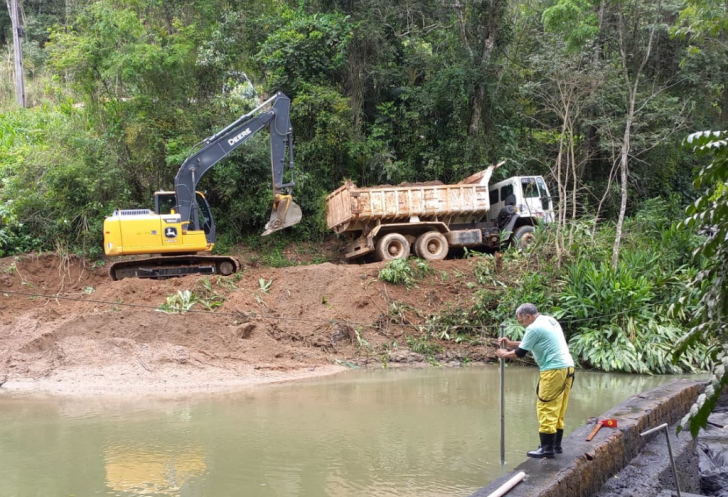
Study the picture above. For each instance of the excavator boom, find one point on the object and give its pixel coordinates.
(274, 113)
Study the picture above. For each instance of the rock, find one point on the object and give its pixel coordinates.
(406, 356)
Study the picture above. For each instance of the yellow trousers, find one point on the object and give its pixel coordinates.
(554, 387)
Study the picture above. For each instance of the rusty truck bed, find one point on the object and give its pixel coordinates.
(350, 205)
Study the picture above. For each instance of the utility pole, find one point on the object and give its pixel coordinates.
(18, 50)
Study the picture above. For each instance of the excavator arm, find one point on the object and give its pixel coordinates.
(274, 114)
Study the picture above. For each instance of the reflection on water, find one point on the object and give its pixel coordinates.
(418, 433)
(147, 472)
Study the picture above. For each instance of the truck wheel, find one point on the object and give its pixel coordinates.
(432, 246)
(523, 237)
(392, 246)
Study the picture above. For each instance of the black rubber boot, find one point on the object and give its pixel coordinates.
(557, 441)
(546, 450)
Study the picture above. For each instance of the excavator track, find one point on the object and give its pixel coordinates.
(175, 266)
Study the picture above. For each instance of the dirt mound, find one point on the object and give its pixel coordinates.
(66, 327)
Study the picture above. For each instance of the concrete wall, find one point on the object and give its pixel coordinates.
(584, 467)
(650, 472)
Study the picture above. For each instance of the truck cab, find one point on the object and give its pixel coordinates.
(528, 194)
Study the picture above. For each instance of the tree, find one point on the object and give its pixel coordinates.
(704, 24)
(635, 111)
(305, 50)
(482, 25)
(632, 83)
(18, 51)
(710, 316)
(564, 86)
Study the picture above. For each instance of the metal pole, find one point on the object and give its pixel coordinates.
(502, 402)
(669, 451)
(672, 462)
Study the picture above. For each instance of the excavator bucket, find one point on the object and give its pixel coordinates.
(285, 213)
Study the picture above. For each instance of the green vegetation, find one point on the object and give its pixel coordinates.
(120, 91)
(707, 305)
(405, 271)
(385, 92)
(203, 294)
(182, 301)
(421, 345)
(614, 319)
(264, 285)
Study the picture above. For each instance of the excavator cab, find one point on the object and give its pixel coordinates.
(165, 203)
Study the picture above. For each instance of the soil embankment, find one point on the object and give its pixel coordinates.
(65, 327)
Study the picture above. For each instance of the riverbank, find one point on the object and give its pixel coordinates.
(68, 329)
(128, 380)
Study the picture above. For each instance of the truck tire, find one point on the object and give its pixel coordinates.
(432, 246)
(523, 237)
(392, 246)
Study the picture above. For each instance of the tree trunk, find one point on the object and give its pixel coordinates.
(18, 51)
(491, 29)
(624, 162)
(478, 102)
(632, 88)
(574, 181)
(560, 207)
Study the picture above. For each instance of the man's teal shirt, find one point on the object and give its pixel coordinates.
(545, 340)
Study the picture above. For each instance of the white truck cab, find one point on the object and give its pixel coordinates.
(528, 194)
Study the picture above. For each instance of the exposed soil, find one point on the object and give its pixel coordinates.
(65, 327)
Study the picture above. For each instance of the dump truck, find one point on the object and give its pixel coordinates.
(392, 222)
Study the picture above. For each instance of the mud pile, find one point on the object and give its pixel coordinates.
(65, 327)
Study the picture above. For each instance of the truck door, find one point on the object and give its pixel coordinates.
(535, 201)
(499, 193)
(546, 202)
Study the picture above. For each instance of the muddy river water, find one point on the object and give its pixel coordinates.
(421, 432)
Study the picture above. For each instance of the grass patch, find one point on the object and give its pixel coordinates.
(405, 272)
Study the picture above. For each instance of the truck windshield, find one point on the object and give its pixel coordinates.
(545, 197)
(530, 188)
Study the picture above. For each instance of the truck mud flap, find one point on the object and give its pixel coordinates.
(358, 248)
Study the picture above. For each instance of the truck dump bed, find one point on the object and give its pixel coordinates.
(348, 207)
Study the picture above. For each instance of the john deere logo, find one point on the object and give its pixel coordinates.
(170, 232)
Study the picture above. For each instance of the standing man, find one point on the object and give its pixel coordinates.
(545, 340)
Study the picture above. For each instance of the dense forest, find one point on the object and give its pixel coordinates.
(598, 96)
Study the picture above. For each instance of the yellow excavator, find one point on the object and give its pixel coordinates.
(180, 229)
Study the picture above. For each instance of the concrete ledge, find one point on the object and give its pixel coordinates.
(584, 466)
